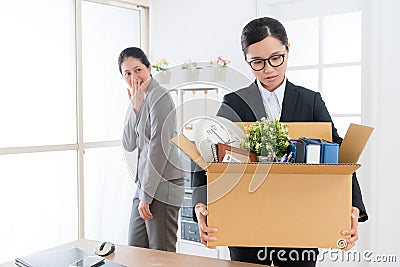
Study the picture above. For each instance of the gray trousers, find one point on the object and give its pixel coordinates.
(159, 232)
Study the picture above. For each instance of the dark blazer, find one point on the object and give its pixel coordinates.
(299, 105)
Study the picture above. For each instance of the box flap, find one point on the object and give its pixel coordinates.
(354, 142)
(321, 130)
(190, 149)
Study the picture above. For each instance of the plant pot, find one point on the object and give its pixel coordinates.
(191, 75)
(218, 73)
(163, 77)
(266, 159)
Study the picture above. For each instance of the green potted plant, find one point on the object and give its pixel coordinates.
(191, 70)
(163, 74)
(269, 139)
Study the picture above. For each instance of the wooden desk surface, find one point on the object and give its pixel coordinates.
(141, 257)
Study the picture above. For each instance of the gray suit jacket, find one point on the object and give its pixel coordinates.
(150, 132)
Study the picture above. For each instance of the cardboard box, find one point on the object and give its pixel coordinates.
(283, 204)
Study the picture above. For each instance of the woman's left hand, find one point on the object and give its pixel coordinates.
(144, 211)
(353, 232)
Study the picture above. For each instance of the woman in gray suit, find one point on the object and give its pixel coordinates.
(151, 124)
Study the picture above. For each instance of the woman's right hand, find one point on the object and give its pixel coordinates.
(137, 93)
(201, 214)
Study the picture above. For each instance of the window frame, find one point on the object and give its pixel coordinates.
(143, 7)
(321, 66)
(144, 40)
(288, 10)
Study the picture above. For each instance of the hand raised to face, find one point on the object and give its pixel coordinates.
(137, 93)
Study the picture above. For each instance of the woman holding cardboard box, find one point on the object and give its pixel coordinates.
(266, 49)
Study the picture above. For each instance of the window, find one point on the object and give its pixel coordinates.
(328, 60)
(37, 106)
(108, 185)
(61, 94)
(325, 52)
(104, 92)
(39, 202)
(109, 190)
(37, 96)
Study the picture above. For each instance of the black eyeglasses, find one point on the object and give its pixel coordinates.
(274, 61)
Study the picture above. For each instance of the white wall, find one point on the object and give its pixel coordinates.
(380, 101)
(199, 30)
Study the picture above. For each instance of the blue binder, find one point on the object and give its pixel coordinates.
(329, 151)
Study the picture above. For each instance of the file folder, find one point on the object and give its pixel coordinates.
(329, 153)
(313, 153)
(299, 151)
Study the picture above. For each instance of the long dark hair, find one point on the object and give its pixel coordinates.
(259, 29)
(134, 52)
